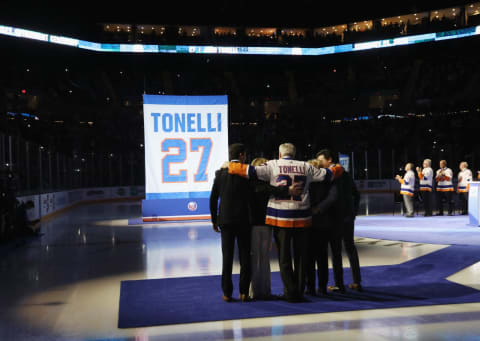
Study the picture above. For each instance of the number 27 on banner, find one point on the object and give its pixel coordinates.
(181, 156)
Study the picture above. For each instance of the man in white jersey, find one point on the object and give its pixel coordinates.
(407, 188)
(464, 178)
(426, 185)
(290, 215)
(444, 187)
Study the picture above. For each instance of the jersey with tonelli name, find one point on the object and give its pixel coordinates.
(444, 180)
(464, 179)
(287, 211)
(408, 183)
(426, 179)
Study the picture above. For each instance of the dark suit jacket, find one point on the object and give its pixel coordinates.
(235, 195)
(349, 196)
(325, 197)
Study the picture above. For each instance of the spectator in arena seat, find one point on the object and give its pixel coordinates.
(23, 225)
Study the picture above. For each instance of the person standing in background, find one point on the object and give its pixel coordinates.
(464, 179)
(407, 188)
(444, 188)
(426, 185)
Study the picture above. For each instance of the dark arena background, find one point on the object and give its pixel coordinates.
(381, 86)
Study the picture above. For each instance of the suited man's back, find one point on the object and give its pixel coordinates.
(235, 196)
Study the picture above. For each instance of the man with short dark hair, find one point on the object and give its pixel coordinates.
(232, 221)
(328, 212)
(347, 210)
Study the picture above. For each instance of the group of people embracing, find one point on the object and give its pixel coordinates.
(306, 205)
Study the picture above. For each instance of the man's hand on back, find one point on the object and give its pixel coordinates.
(296, 189)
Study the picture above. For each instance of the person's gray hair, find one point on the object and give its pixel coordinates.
(287, 149)
(465, 162)
(428, 161)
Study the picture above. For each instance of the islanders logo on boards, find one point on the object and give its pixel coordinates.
(192, 206)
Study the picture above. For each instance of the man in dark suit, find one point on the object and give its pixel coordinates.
(232, 221)
(346, 209)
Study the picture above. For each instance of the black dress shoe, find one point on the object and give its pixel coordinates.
(310, 292)
(322, 291)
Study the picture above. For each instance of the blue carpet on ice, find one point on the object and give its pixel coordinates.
(139, 221)
(420, 281)
(431, 230)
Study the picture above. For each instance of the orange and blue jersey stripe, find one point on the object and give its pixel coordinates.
(288, 218)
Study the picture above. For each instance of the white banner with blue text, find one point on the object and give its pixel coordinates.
(186, 141)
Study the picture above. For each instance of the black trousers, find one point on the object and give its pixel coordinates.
(242, 234)
(331, 236)
(447, 196)
(314, 258)
(322, 235)
(464, 201)
(351, 249)
(293, 278)
(427, 201)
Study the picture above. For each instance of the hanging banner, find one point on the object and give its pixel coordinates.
(344, 160)
(186, 141)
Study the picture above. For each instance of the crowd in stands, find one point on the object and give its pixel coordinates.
(309, 37)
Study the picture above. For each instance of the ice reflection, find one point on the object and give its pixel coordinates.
(187, 252)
